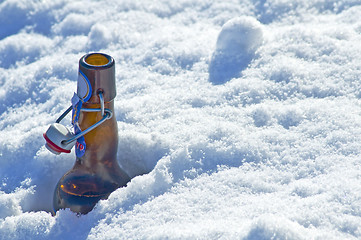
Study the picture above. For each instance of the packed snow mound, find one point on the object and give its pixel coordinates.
(240, 35)
(236, 119)
(236, 46)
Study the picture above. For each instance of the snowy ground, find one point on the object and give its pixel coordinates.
(237, 119)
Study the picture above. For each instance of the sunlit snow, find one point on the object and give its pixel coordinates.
(237, 119)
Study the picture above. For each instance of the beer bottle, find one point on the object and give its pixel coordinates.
(96, 172)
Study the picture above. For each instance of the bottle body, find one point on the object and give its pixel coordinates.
(80, 192)
(96, 172)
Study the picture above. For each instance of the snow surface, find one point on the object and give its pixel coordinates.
(237, 119)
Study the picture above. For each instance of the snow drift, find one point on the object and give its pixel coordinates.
(237, 120)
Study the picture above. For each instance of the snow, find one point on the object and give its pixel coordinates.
(237, 119)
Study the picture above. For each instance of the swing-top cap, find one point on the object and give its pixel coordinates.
(96, 73)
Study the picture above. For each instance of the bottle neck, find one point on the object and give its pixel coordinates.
(101, 142)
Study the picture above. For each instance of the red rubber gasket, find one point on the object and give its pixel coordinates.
(54, 146)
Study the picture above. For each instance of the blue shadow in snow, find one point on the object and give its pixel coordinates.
(225, 66)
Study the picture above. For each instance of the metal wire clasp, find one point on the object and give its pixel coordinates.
(106, 113)
(58, 137)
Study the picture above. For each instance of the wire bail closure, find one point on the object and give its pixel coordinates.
(59, 138)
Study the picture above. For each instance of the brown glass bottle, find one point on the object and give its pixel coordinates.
(96, 173)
